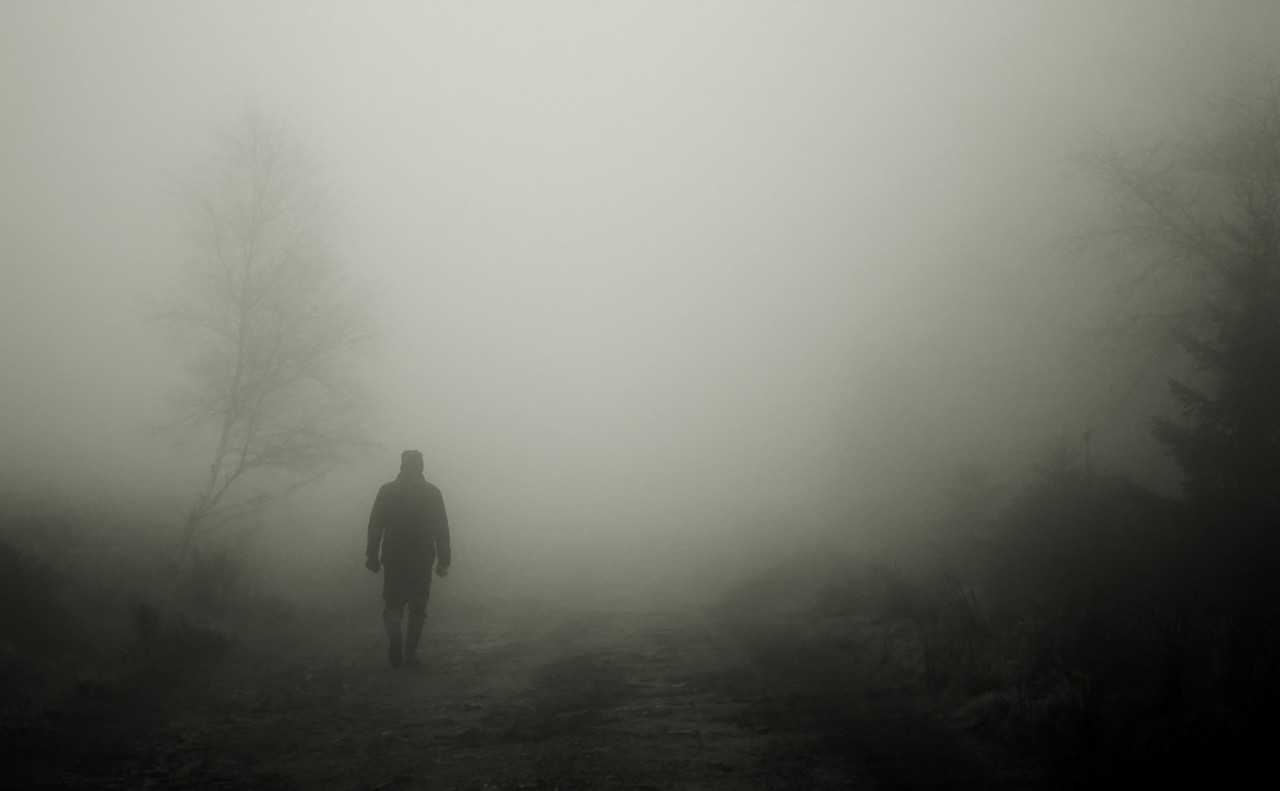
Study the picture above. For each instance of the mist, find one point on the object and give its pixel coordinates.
(667, 294)
(636, 270)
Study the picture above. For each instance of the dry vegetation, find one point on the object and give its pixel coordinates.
(1089, 638)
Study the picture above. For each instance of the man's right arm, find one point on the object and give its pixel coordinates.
(374, 543)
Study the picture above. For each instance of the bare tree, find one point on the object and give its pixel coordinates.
(269, 328)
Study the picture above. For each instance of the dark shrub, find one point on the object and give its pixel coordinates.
(210, 582)
(33, 614)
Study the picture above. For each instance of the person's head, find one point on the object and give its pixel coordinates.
(411, 461)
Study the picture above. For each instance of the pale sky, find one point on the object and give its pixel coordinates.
(638, 266)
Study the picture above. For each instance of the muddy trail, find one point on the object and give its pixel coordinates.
(510, 695)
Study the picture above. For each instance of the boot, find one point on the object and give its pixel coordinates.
(393, 651)
(392, 622)
(413, 634)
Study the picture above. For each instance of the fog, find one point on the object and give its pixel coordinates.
(658, 284)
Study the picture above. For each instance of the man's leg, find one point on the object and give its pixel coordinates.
(413, 633)
(391, 617)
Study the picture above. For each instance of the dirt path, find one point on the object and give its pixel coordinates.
(513, 696)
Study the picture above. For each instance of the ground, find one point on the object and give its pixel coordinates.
(513, 695)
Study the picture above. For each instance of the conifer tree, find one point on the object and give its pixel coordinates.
(1206, 213)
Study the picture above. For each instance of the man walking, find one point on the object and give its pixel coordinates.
(409, 525)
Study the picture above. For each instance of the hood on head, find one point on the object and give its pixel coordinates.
(411, 461)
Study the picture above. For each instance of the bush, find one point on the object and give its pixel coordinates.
(1071, 540)
(1115, 695)
(1143, 654)
(210, 582)
(33, 613)
(948, 625)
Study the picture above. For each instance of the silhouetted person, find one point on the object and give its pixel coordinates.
(409, 524)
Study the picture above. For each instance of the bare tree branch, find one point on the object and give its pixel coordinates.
(268, 326)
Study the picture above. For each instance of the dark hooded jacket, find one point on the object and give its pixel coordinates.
(408, 522)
